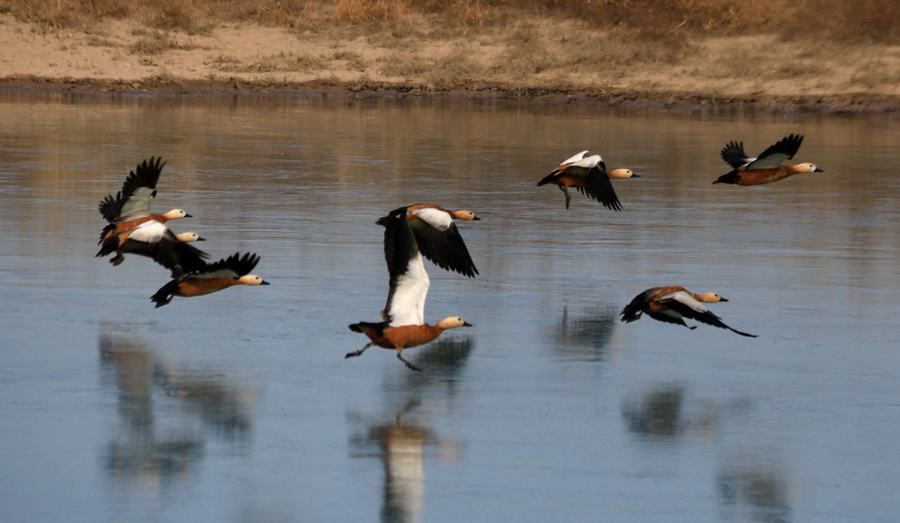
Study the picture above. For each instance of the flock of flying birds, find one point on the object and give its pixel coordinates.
(412, 233)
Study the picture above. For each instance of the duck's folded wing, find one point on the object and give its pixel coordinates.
(154, 240)
(734, 155)
(233, 266)
(685, 304)
(439, 240)
(408, 280)
(597, 186)
(138, 191)
(774, 155)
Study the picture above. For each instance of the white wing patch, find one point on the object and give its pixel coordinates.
(686, 299)
(407, 305)
(588, 162)
(575, 158)
(438, 219)
(149, 232)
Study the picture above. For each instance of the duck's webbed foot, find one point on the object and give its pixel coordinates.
(357, 352)
(568, 196)
(118, 259)
(407, 362)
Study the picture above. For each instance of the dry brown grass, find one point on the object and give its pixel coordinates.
(157, 42)
(278, 63)
(841, 20)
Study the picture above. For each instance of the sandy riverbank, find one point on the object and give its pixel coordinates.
(555, 60)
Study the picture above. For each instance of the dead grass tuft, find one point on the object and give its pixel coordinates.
(157, 42)
(180, 17)
(280, 63)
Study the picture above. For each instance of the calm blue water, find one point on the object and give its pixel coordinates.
(239, 406)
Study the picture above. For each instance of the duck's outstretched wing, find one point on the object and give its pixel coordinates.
(233, 266)
(598, 187)
(407, 277)
(156, 241)
(774, 155)
(555, 173)
(138, 191)
(685, 304)
(438, 240)
(734, 155)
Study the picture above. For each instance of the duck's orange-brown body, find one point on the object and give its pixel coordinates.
(402, 337)
(459, 215)
(571, 180)
(199, 286)
(123, 229)
(763, 176)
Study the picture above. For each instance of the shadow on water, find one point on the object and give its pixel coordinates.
(400, 441)
(587, 334)
(758, 488)
(159, 408)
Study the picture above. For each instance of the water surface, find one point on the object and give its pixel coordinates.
(239, 406)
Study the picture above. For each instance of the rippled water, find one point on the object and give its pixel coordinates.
(239, 406)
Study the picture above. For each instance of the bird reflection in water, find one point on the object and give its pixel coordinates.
(401, 444)
(585, 335)
(757, 486)
(401, 441)
(660, 413)
(148, 447)
(657, 413)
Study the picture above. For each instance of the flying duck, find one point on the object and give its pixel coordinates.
(673, 304)
(131, 227)
(437, 237)
(767, 167)
(213, 277)
(404, 326)
(587, 173)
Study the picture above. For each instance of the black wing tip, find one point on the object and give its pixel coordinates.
(355, 327)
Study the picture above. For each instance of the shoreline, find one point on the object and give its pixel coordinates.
(851, 103)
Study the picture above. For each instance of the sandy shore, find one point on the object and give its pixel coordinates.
(527, 62)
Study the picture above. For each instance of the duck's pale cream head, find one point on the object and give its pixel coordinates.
(188, 237)
(452, 322)
(710, 297)
(175, 214)
(465, 214)
(252, 279)
(807, 167)
(622, 173)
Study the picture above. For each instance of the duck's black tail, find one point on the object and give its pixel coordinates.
(110, 244)
(363, 326)
(730, 178)
(164, 295)
(632, 311)
(550, 178)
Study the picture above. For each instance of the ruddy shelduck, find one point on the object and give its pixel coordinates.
(213, 277)
(767, 167)
(673, 304)
(404, 326)
(587, 174)
(132, 228)
(437, 237)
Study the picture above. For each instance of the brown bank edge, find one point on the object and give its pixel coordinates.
(851, 103)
